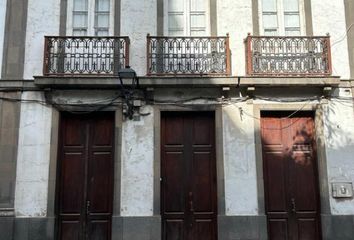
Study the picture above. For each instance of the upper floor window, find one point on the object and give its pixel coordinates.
(282, 17)
(90, 17)
(188, 18)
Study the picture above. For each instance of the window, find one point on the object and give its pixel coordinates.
(188, 18)
(282, 17)
(90, 17)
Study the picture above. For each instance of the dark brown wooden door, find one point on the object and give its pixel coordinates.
(188, 170)
(85, 189)
(290, 176)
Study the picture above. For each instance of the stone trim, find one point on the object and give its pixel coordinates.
(9, 132)
(117, 17)
(54, 138)
(255, 18)
(349, 15)
(109, 82)
(308, 18)
(14, 39)
(63, 17)
(118, 122)
(160, 18)
(213, 18)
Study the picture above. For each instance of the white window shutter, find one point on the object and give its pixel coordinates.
(80, 17)
(102, 13)
(198, 17)
(176, 17)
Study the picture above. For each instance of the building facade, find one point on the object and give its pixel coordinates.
(239, 122)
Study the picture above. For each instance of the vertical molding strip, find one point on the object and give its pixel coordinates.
(117, 17)
(213, 18)
(14, 39)
(255, 17)
(63, 17)
(308, 17)
(160, 19)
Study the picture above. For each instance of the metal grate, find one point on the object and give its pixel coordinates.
(305, 56)
(188, 55)
(85, 55)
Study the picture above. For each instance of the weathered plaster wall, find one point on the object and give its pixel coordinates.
(339, 137)
(235, 18)
(240, 161)
(2, 29)
(42, 19)
(137, 166)
(329, 17)
(138, 19)
(33, 158)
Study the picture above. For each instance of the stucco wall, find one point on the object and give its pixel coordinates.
(240, 161)
(339, 137)
(235, 18)
(138, 18)
(33, 158)
(2, 29)
(328, 16)
(137, 166)
(42, 19)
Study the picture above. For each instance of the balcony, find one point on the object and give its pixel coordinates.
(288, 56)
(208, 56)
(83, 56)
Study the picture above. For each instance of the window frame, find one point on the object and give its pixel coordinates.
(91, 15)
(187, 19)
(281, 18)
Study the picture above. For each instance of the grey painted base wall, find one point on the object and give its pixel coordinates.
(136, 228)
(149, 228)
(242, 227)
(26, 228)
(337, 227)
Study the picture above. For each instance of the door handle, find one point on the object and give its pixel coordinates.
(88, 207)
(191, 208)
(293, 205)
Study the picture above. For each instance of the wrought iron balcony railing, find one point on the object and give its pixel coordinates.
(85, 55)
(288, 56)
(188, 56)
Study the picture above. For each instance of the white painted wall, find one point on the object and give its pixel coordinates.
(2, 29)
(328, 16)
(339, 137)
(138, 18)
(137, 166)
(43, 18)
(239, 161)
(235, 18)
(33, 158)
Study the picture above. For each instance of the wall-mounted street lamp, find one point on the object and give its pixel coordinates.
(130, 106)
(129, 74)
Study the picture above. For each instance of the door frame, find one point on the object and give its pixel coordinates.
(218, 153)
(54, 168)
(320, 152)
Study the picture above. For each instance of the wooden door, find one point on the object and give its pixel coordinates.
(290, 176)
(188, 176)
(85, 187)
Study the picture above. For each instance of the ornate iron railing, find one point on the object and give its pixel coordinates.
(289, 56)
(188, 55)
(85, 55)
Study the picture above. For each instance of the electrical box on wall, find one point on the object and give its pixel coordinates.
(342, 190)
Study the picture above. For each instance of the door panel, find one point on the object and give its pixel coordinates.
(85, 191)
(290, 176)
(188, 170)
